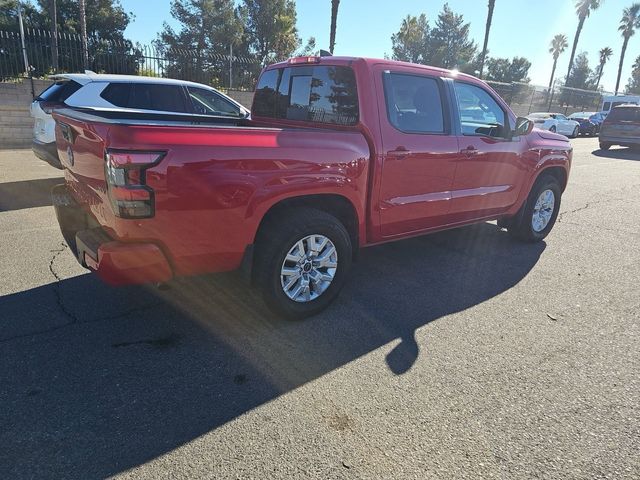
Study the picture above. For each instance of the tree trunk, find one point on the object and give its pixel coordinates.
(83, 29)
(599, 75)
(553, 71)
(54, 34)
(334, 19)
(487, 28)
(622, 54)
(573, 49)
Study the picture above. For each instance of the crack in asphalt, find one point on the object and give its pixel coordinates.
(72, 318)
(587, 206)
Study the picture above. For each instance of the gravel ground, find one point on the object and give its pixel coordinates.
(457, 355)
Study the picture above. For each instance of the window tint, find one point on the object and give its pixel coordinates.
(624, 114)
(208, 102)
(264, 99)
(117, 94)
(308, 93)
(414, 104)
(479, 113)
(606, 106)
(59, 91)
(165, 98)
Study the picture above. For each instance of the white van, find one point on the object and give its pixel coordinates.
(610, 101)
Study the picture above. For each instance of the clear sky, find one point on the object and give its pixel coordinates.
(520, 27)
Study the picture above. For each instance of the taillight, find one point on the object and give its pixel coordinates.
(125, 174)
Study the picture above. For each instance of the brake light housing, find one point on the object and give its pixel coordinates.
(126, 178)
(307, 59)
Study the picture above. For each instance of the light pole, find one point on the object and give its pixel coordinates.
(83, 30)
(54, 33)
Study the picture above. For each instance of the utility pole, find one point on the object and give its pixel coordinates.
(24, 48)
(230, 65)
(83, 28)
(54, 33)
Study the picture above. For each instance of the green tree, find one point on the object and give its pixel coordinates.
(558, 45)
(628, 24)
(9, 15)
(334, 20)
(508, 71)
(583, 10)
(605, 54)
(199, 49)
(449, 43)
(491, 5)
(106, 19)
(411, 42)
(270, 28)
(633, 86)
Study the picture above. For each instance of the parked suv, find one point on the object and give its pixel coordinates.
(621, 127)
(128, 96)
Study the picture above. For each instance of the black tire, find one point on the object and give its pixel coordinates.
(553, 129)
(576, 132)
(275, 240)
(605, 146)
(521, 226)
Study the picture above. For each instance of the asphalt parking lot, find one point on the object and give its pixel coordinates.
(457, 355)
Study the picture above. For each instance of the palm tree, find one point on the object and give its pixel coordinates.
(628, 24)
(605, 55)
(334, 18)
(487, 28)
(583, 9)
(558, 45)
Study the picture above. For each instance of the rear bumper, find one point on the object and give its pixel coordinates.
(622, 141)
(115, 262)
(47, 152)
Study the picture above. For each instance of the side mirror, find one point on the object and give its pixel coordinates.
(523, 127)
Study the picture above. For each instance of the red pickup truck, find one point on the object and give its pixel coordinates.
(339, 153)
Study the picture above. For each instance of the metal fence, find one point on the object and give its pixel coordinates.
(524, 98)
(45, 56)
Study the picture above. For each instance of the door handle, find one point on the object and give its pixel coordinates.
(399, 152)
(469, 151)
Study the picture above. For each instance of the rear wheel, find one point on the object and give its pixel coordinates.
(537, 216)
(553, 129)
(575, 132)
(605, 146)
(302, 262)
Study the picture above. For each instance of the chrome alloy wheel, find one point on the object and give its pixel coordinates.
(309, 268)
(543, 210)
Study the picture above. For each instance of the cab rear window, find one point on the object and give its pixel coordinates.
(320, 94)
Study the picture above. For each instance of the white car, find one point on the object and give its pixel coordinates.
(147, 98)
(555, 122)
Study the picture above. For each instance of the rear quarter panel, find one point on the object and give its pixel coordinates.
(215, 184)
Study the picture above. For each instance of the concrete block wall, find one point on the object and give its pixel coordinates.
(16, 124)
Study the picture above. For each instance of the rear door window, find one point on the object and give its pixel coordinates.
(208, 102)
(59, 91)
(158, 97)
(414, 103)
(320, 94)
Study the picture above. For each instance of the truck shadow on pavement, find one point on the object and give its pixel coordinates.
(27, 193)
(99, 380)
(623, 153)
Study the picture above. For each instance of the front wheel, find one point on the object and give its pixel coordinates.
(553, 129)
(302, 262)
(537, 216)
(605, 146)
